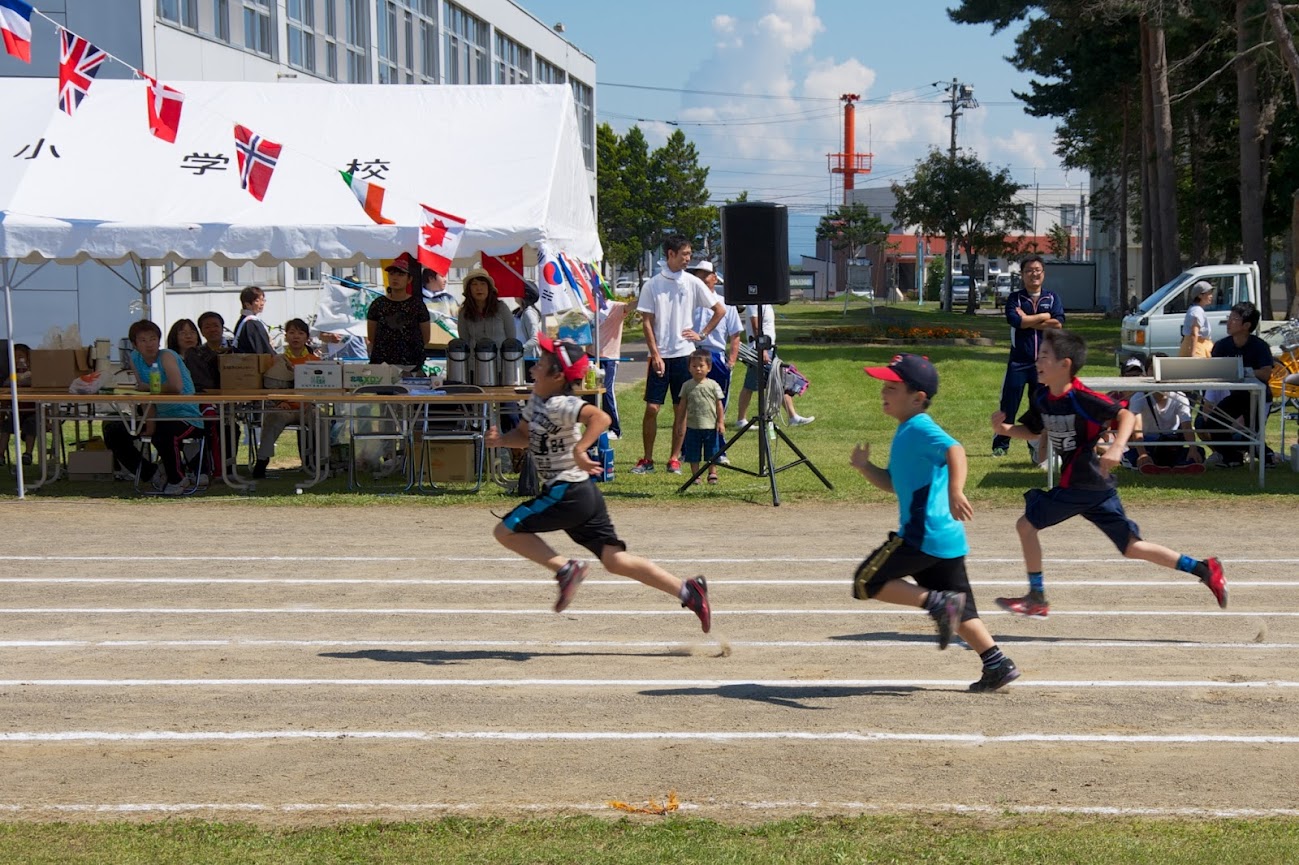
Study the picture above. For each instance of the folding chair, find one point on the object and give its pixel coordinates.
(195, 441)
(452, 423)
(1284, 384)
(375, 430)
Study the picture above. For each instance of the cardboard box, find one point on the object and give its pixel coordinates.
(243, 371)
(316, 374)
(90, 465)
(56, 368)
(445, 462)
(367, 374)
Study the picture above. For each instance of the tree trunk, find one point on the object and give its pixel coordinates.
(1149, 210)
(1292, 296)
(1168, 257)
(1120, 299)
(1251, 163)
(1199, 224)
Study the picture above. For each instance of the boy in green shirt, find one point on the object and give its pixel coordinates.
(705, 416)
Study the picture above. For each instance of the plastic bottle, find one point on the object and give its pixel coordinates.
(155, 379)
(589, 380)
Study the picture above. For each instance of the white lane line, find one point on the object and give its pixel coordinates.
(854, 644)
(541, 581)
(1113, 561)
(96, 736)
(553, 807)
(811, 684)
(467, 611)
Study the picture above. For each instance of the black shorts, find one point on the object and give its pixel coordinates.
(896, 559)
(676, 372)
(575, 507)
(1101, 508)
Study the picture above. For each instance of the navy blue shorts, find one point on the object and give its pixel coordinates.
(896, 559)
(699, 441)
(1101, 508)
(576, 508)
(676, 372)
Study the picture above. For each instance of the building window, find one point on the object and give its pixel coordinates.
(466, 48)
(198, 275)
(331, 39)
(583, 95)
(230, 275)
(259, 34)
(221, 19)
(301, 15)
(1067, 216)
(182, 12)
(357, 23)
(513, 61)
(387, 26)
(306, 275)
(428, 47)
(549, 73)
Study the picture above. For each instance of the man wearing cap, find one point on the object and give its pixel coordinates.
(1029, 311)
(724, 342)
(398, 326)
(667, 306)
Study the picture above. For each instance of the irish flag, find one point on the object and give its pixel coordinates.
(369, 194)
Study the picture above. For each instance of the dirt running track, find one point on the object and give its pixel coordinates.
(395, 662)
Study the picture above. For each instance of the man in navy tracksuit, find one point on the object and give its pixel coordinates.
(1029, 311)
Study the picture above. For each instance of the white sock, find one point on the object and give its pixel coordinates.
(683, 594)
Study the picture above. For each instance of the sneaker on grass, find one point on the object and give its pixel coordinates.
(674, 467)
(643, 467)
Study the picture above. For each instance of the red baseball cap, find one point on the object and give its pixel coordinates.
(402, 263)
(572, 359)
(913, 370)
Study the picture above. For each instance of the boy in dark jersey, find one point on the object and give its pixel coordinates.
(569, 499)
(1074, 417)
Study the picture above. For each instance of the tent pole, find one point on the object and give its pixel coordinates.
(9, 269)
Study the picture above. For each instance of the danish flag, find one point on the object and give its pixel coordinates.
(79, 63)
(164, 109)
(257, 158)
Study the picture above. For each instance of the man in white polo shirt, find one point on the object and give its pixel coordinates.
(667, 306)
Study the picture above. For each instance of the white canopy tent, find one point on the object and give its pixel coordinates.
(97, 186)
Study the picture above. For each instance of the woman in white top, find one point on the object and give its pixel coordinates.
(1197, 332)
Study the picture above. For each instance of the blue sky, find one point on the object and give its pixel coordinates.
(755, 84)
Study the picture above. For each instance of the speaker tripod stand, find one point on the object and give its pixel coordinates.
(762, 422)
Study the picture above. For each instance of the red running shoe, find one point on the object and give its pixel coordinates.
(1216, 582)
(1025, 606)
(674, 467)
(697, 601)
(569, 578)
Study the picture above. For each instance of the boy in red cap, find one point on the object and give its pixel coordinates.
(570, 499)
(926, 471)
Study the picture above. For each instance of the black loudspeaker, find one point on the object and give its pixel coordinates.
(755, 250)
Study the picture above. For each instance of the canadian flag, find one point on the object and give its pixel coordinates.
(507, 272)
(164, 110)
(439, 237)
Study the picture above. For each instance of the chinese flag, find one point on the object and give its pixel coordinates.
(164, 110)
(507, 272)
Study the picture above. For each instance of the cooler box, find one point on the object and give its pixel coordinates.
(90, 465)
(444, 462)
(243, 371)
(318, 375)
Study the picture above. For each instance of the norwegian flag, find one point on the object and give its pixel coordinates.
(79, 63)
(164, 109)
(257, 159)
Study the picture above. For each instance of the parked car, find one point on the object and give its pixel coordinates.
(961, 289)
(625, 288)
(1003, 288)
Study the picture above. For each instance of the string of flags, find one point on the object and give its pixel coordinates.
(440, 232)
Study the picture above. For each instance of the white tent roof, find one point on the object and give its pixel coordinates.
(508, 159)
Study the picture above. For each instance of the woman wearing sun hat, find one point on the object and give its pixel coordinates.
(483, 315)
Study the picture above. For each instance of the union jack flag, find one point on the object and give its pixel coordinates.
(79, 63)
(257, 159)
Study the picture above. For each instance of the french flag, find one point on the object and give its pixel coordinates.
(16, 22)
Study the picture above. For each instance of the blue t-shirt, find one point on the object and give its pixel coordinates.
(918, 468)
(168, 411)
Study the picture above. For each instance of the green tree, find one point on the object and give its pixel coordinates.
(1060, 240)
(683, 186)
(964, 199)
(851, 228)
(644, 214)
(613, 219)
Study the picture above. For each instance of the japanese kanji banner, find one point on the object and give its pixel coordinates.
(185, 201)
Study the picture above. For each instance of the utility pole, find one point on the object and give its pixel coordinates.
(962, 96)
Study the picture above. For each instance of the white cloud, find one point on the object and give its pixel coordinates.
(724, 25)
(831, 80)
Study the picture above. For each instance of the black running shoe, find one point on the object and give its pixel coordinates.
(996, 678)
(698, 601)
(948, 617)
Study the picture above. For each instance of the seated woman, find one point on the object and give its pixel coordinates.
(166, 423)
(26, 410)
(483, 315)
(297, 350)
(184, 339)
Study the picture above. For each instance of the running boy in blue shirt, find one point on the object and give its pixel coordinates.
(926, 470)
(1074, 418)
(570, 499)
